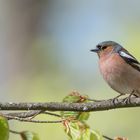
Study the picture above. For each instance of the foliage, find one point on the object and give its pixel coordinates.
(4, 128)
(27, 135)
(75, 124)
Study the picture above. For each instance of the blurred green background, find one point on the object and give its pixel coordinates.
(44, 55)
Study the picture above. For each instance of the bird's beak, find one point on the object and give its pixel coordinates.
(95, 50)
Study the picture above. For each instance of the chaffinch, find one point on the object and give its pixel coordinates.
(119, 68)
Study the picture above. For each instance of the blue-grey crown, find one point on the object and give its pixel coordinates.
(108, 43)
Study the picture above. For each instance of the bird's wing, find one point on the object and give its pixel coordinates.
(130, 59)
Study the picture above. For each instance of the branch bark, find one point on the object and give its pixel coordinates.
(86, 107)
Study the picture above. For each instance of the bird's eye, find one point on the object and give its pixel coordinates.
(99, 46)
(104, 47)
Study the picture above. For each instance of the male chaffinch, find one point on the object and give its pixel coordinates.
(119, 68)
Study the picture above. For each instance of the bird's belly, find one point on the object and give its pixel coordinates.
(120, 85)
(119, 79)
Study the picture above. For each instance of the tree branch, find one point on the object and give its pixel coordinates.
(86, 107)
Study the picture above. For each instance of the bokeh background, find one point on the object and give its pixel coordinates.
(44, 55)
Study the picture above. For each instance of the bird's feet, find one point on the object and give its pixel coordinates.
(116, 98)
(128, 99)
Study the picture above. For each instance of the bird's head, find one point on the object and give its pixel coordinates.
(106, 47)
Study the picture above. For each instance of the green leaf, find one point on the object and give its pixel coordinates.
(75, 97)
(74, 131)
(83, 116)
(69, 114)
(81, 131)
(4, 128)
(27, 135)
(94, 135)
(71, 99)
(75, 122)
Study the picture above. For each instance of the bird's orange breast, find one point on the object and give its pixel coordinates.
(111, 65)
(118, 74)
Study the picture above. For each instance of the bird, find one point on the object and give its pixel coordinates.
(119, 68)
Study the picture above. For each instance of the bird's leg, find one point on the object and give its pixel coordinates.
(127, 99)
(116, 98)
(136, 95)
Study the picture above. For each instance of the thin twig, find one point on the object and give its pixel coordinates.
(53, 114)
(30, 114)
(15, 132)
(29, 120)
(23, 114)
(37, 113)
(106, 137)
